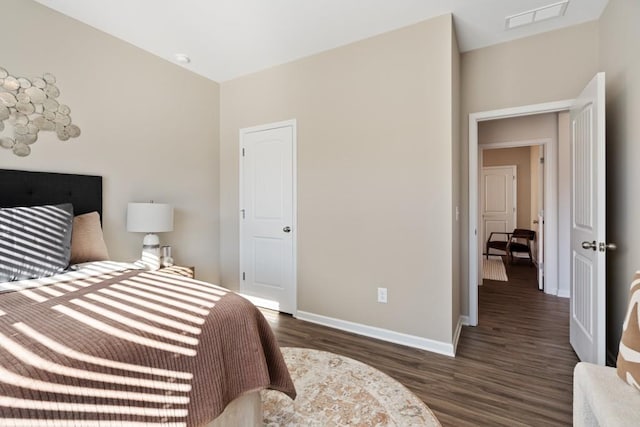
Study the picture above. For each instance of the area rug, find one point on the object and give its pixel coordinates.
(335, 390)
(493, 268)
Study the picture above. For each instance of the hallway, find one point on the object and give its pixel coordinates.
(523, 337)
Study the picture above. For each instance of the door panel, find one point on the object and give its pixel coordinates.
(584, 289)
(587, 323)
(498, 201)
(267, 268)
(267, 258)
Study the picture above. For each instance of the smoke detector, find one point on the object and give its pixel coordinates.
(181, 58)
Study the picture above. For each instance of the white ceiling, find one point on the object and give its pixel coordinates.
(229, 38)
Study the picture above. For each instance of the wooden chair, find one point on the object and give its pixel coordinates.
(516, 244)
(513, 243)
(500, 245)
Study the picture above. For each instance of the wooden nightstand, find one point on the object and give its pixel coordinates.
(180, 270)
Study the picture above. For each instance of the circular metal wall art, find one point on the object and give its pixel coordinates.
(28, 106)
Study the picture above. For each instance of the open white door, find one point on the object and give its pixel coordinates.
(588, 247)
(267, 220)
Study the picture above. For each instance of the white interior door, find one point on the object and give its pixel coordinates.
(498, 192)
(267, 222)
(588, 247)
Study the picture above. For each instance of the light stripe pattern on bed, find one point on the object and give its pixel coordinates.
(130, 348)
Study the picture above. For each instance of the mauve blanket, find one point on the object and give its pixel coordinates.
(131, 348)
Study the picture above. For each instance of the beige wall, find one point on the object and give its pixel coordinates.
(547, 67)
(518, 129)
(455, 207)
(518, 156)
(620, 59)
(535, 153)
(537, 193)
(149, 127)
(374, 175)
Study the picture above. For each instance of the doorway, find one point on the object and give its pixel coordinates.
(550, 198)
(526, 161)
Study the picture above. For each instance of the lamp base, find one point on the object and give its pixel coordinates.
(151, 252)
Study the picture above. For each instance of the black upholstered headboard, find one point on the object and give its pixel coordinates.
(22, 188)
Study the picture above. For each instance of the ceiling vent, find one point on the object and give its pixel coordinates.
(542, 13)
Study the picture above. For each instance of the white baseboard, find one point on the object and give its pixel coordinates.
(564, 293)
(379, 333)
(551, 291)
(465, 320)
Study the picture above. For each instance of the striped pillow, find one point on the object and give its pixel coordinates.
(34, 241)
(628, 365)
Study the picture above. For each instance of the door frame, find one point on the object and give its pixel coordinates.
(540, 218)
(294, 222)
(514, 195)
(551, 203)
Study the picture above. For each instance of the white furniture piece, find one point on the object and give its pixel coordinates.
(601, 398)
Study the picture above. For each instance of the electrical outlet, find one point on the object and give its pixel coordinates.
(382, 295)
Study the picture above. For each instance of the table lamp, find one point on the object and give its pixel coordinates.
(150, 218)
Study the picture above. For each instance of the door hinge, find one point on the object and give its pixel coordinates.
(243, 276)
(542, 160)
(242, 210)
(242, 152)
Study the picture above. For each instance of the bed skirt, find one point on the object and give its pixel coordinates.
(245, 411)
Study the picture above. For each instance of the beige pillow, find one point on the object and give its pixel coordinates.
(87, 243)
(628, 365)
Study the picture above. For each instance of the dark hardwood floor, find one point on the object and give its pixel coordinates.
(515, 368)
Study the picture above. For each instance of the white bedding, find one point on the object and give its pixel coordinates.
(86, 270)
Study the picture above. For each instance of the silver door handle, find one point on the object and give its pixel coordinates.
(607, 246)
(287, 229)
(589, 245)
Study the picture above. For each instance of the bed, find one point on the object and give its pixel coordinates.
(109, 344)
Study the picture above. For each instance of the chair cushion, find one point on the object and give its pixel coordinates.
(628, 365)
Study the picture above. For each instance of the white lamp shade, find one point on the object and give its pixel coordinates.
(149, 217)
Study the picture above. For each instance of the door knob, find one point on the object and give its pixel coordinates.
(287, 229)
(589, 245)
(607, 246)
